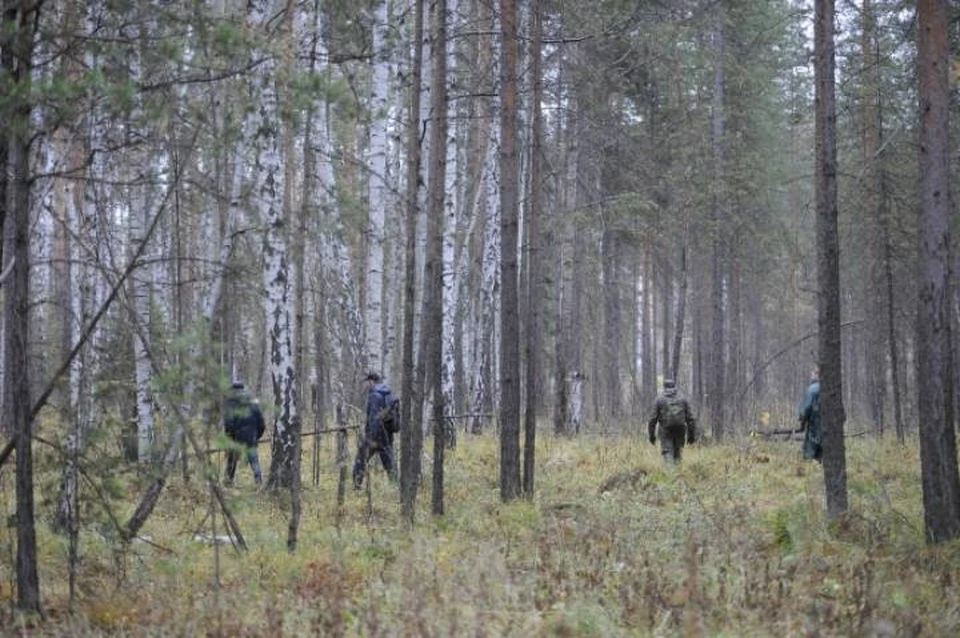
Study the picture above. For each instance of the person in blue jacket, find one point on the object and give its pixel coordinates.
(243, 423)
(374, 439)
(810, 419)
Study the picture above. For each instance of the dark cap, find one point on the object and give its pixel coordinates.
(669, 383)
(372, 376)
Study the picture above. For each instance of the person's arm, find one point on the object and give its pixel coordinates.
(258, 419)
(652, 422)
(691, 423)
(806, 408)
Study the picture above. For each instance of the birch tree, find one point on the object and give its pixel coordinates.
(377, 190)
(269, 196)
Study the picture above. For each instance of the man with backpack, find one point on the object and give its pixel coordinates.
(243, 423)
(677, 423)
(381, 423)
(810, 419)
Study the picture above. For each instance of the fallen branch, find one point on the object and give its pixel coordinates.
(777, 432)
(6, 271)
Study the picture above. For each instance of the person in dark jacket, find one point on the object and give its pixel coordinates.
(810, 420)
(677, 423)
(375, 439)
(243, 423)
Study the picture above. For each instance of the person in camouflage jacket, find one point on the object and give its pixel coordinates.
(677, 423)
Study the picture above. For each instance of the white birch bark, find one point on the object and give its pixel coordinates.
(377, 192)
(486, 308)
(141, 284)
(268, 194)
(141, 292)
(451, 281)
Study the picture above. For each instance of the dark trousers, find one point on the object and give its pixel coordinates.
(233, 457)
(671, 445)
(370, 445)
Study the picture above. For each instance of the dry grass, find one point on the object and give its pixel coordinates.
(732, 543)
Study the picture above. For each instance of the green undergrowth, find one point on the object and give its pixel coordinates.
(731, 543)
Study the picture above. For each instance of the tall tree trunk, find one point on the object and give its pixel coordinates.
(19, 24)
(291, 37)
(432, 332)
(509, 298)
(681, 316)
(411, 435)
(272, 197)
(534, 287)
(828, 265)
(612, 341)
(567, 135)
(938, 447)
(647, 355)
(141, 284)
(377, 191)
(875, 309)
(718, 219)
(732, 377)
(666, 308)
(452, 282)
(892, 331)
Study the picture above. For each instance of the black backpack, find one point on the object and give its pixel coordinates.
(674, 414)
(390, 414)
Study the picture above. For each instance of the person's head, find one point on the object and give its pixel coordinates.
(669, 384)
(238, 391)
(814, 375)
(371, 379)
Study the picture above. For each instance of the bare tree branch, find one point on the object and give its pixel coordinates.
(6, 271)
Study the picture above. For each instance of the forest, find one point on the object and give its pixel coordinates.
(524, 216)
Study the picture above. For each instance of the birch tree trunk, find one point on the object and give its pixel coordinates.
(486, 309)
(938, 447)
(377, 191)
(451, 281)
(269, 190)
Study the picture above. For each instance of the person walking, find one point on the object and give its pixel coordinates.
(810, 419)
(677, 423)
(243, 423)
(375, 438)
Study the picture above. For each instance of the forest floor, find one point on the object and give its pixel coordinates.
(731, 543)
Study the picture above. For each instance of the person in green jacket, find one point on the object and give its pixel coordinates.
(243, 423)
(810, 420)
